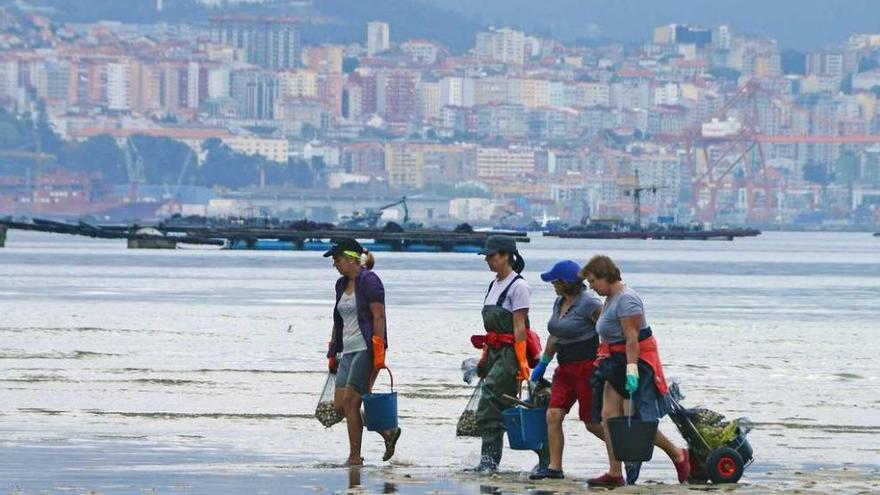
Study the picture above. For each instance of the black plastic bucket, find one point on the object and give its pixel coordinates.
(632, 440)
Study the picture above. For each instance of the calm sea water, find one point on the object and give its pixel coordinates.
(203, 351)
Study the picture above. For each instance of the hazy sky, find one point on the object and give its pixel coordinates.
(795, 23)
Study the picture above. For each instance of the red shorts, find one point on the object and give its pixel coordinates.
(571, 382)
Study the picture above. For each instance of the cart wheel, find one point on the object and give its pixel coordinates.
(698, 474)
(724, 465)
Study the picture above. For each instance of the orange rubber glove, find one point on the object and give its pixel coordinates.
(520, 349)
(378, 352)
(332, 362)
(484, 361)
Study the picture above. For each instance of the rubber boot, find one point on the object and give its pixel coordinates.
(543, 459)
(490, 453)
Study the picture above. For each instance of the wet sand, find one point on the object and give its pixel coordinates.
(197, 372)
(115, 467)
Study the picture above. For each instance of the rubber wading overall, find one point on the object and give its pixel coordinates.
(501, 369)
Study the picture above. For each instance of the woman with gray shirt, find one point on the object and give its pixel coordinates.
(628, 366)
(574, 340)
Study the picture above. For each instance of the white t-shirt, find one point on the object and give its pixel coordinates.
(352, 337)
(518, 297)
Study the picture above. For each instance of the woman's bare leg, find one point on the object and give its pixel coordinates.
(555, 436)
(612, 406)
(674, 452)
(352, 407)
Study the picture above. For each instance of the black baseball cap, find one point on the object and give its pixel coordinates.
(499, 243)
(341, 245)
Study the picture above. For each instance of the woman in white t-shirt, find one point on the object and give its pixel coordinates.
(504, 364)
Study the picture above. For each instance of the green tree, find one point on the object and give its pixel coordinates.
(49, 141)
(164, 160)
(818, 173)
(847, 169)
(226, 168)
(15, 131)
(725, 73)
(872, 170)
(98, 153)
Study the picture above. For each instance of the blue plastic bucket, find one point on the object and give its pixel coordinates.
(526, 428)
(380, 409)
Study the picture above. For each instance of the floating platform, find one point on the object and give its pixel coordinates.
(267, 238)
(138, 237)
(676, 235)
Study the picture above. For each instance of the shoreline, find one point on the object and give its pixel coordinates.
(115, 467)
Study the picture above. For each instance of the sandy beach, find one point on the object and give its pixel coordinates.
(126, 467)
(197, 372)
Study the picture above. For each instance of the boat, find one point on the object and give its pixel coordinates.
(614, 228)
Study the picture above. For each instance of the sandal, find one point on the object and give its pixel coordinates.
(390, 444)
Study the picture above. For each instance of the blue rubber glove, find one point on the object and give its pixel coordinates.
(538, 372)
(540, 368)
(632, 378)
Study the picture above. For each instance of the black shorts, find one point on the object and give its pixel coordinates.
(648, 405)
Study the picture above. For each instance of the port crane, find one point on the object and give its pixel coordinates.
(370, 218)
(636, 192)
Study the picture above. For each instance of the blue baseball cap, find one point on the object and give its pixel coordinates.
(567, 271)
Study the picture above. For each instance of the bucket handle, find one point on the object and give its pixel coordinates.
(376, 375)
(629, 413)
(529, 390)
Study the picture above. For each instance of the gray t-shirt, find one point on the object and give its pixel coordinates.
(625, 303)
(352, 337)
(577, 324)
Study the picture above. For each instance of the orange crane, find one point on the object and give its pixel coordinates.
(713, 159)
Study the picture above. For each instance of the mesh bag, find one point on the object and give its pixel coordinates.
(467, 422)
(326, 412)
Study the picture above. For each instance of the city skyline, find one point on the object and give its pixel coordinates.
(720, 125)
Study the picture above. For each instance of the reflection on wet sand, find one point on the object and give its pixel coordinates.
(354, 476)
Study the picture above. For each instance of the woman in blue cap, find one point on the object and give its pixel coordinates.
(358, 342)
(574, 341)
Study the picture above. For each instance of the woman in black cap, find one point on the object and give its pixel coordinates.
(504, 364)
(357, 346)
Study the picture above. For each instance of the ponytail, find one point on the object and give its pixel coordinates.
(368, 260)
(517, 262)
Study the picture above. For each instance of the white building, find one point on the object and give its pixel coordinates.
(218, 83)
(503, 45)
(667, 94)
(723, 128)
(298, 84)
(8, 78)
(471, 208)
(378, 37)
(505, 162)
(192, 85)
(866, 80)
(118, 86)
(428, 106)
(457, 91)
(276, 150)
(721, 37)
(423, 52)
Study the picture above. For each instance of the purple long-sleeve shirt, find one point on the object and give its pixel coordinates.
(368, 289)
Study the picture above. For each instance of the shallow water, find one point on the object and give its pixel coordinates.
(197, 350)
